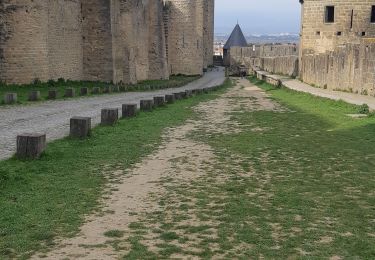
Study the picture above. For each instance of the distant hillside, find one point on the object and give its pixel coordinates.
(260, 39)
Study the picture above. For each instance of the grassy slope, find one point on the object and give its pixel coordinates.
(46, 198)
(309, 194)
(23, 90)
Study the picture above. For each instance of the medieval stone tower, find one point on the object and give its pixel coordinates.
(104, 40)
(189, 29)
(337, 44)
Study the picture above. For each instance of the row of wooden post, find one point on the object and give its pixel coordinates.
(31, 146)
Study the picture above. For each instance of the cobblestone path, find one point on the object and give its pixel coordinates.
(53, 117)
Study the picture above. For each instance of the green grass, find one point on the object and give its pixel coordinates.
(42, 199)
(302, 188)
(60, 85)
(114, 233)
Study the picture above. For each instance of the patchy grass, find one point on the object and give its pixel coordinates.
(61, 84)
(302, 188)
(114, 233)
(42, 199)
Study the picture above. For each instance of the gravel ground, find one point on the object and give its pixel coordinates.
(53, 117)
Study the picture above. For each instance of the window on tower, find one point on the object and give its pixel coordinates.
(373, 14)
(330, 14)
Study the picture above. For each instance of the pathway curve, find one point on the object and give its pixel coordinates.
(179, 160)
(300, 86)
(53, 117)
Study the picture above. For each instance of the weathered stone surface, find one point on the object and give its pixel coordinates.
(30, 146)
(170, 99)
(52, 94)
(80, 127)
(159, 101)
(34, 96)
(70, 92)
(84, 91)
(111, 41)
(109, 116)
(10, 98)
(129, 110)
(147, 105)
(96, 91)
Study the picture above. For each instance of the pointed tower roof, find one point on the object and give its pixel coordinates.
(236, 39)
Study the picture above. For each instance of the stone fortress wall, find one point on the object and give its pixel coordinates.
(104, 40)
(337, 55)
(278, 59)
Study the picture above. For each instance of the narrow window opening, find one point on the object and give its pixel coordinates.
(363, 33)
(339, 33)
(351, 20)
(330, 14)
(373, 14)
(318, 33)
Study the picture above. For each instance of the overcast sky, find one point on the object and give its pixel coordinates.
(258, 16)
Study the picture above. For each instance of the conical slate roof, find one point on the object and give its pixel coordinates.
(236, 39)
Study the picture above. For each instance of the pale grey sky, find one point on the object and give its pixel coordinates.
(258, 16)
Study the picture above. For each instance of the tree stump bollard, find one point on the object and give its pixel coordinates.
(189, 93)
(34, 96)
(183, 95)
(177, 96)
(109, 116)
(96, 91)
(115, 89)
(147, 105)
(10, 98)
(80, 127)
(159, 101)
(170, 99)
(84, 91)
(129, 110)
(107, 90)
(69, 92)
(30, 146)
(52, 94)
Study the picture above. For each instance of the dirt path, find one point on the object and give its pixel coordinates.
(134, 194)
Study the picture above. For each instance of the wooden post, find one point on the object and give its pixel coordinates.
(183, 95)
(34, 95)
(69, 92)
(129, 110)
(10, 98)
(109, 116)
(177, 96)
(159, 101)
(107, 89)
(189, 93)
(30, 146)
(84, 91)
(147, 105)
(80, 127)
(170, 99)
(52, 94)
(96, 91)
(115, 89)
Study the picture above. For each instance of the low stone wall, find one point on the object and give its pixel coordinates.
(350, 68)
(277, 59)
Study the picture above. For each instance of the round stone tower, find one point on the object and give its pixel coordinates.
(184, 24)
